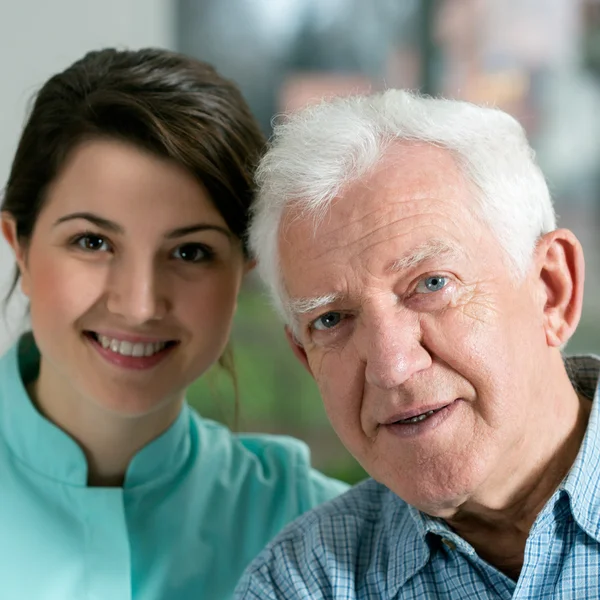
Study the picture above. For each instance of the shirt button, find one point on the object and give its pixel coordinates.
(449, 544)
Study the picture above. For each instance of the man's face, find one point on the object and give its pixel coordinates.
(424, 345)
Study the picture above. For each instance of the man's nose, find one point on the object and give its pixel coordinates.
(391, 348)
(136, 292)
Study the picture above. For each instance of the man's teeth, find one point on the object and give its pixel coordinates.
(138, 349)
(418, 418)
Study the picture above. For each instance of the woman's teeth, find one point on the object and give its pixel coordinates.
(138, 349)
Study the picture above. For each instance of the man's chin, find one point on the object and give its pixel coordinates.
(431, 497)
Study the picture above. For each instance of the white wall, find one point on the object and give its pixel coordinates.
(39, 38)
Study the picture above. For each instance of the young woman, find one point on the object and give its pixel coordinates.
(126, 208)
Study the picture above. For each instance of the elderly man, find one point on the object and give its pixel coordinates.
(411, 246)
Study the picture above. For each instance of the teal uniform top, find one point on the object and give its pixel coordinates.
(197, 505)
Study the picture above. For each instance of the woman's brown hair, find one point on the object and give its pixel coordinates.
(170, 104)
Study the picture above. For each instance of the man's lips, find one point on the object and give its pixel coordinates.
(416, 413)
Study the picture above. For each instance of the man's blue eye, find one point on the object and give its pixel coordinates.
(327, 321)
(432, 284)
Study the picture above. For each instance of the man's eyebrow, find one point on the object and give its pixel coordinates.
(115, 227)
(300, 306)
(426, 251)
(423, 252)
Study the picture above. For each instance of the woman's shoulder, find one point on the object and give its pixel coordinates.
(278, 465)
(264, 451)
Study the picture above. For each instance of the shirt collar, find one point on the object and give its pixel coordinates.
(427, 524)
(582, 483)
(50, 452)
(408, 550)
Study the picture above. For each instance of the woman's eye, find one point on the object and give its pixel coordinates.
(327, 321)
(92, 243)
(431, 284)
(193, 253)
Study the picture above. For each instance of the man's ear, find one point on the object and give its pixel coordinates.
(9, 231)
(561, 266)
(297, 349)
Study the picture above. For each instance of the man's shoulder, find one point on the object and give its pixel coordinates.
(365, 509)
(346, 538)
(365, 504)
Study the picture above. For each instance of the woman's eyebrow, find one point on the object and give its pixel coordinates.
(92, 218)
(181, 231)
(113, 226)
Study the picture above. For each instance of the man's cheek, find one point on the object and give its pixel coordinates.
(315, 360)
(478, 309)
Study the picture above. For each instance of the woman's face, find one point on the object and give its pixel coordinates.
(132, 276)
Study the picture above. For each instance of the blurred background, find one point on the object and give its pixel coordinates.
(537, 59)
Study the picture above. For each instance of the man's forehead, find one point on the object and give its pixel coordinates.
(390, 221)
(411, 174)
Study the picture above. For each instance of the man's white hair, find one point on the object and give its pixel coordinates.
(316, 153)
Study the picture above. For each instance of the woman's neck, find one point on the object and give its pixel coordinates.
(109, 440)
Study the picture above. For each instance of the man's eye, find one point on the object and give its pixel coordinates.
(327, 321)
(193, 253)
(92, 243)
(431, 284)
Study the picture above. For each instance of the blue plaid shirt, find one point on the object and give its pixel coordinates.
(370, 544)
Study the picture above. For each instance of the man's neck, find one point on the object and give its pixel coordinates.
(108, 440)
(498, 527)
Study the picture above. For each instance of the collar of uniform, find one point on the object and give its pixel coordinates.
(163, 458)
(49, 451)
(582, 483)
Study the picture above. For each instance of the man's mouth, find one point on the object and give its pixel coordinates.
(418, 418)
(128, 348)
(417, 415)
